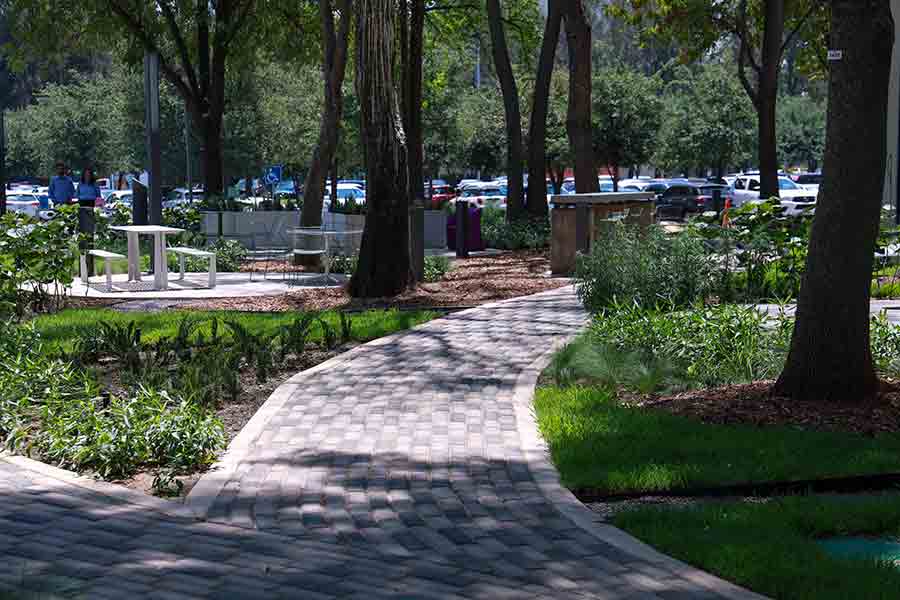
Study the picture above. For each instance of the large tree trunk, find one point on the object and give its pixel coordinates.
(537, 130)
(578, 121)
(384, 267)
(830, 358)
(334, 65)
(212, 156)
(514, 170)
(412, 41)
(767, 97)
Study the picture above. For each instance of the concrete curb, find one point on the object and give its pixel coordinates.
(537, 456)
(110, 490)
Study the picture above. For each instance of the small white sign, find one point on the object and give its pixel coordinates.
(835, 54)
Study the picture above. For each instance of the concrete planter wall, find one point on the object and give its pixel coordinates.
(263, 229)
(257, 229)
(435, 229)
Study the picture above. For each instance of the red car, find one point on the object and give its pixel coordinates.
(441, 195)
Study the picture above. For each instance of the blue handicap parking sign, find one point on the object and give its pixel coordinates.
(273, 175)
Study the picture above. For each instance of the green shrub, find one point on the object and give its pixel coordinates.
(41, 254)
(436, 267)
(344, 263)
(698, 347)
(520, 235)
(625, 265)
(49, 406)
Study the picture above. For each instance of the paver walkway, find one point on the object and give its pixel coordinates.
(409, 467)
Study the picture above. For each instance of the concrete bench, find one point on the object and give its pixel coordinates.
(182, 253)
(107, 257)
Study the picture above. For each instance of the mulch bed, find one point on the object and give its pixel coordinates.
(471, 282)
(753, 404)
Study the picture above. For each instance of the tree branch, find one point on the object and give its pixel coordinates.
(134, 25)
(186, 63)
(800, 24)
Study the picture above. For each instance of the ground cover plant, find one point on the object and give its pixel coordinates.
(613, 415)
(771, 547)
(119, 394)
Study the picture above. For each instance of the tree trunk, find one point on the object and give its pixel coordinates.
(334, 65)
(537, 130)
(578, 121)
(384, 267)
(514, 171)
(767, 98)
(830, 358)
(213, 158)
(411, 34)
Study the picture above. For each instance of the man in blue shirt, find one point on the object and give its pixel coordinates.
(62, 189)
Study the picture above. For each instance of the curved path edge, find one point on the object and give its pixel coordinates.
(546, 476)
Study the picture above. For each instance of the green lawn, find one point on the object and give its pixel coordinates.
(597, 443)
(771, 548)
(61, 328)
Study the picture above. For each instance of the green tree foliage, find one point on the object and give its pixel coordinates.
(709, 121)
(801, 131)
(626, 117)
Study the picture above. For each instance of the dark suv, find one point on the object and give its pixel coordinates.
(680, 199)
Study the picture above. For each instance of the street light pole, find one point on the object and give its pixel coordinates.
(2, 161)
(187, 155)
(154, 155)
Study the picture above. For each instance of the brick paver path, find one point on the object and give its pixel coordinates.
(407, 468)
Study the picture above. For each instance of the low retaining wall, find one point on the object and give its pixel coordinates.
(263, 229)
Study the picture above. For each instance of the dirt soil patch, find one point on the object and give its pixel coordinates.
(753, 404)
(471, 282)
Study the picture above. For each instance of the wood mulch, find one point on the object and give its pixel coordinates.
(471, 282)
(753, 404)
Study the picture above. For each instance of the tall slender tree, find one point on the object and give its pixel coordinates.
(578, 122)
(760, 30)
(384, 267)
(334, 65)
(537, 130)
(512, 110)
(830, 358)
(197, 41)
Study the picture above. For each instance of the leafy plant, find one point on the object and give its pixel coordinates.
(293, 337)
(701, 346)
(524, 234)
(329, 336)
(346, 327)
(651, 268)
(37, 262)
(435, 268)
(343, 263)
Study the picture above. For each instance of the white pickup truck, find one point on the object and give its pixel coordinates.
(794, 198)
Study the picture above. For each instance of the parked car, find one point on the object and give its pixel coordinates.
(794, 198)
(285, 190)
(180, 197)
(345, 192)
(124, 197)
(680, 199)
(486, 194)
(29, 203)
(810, 181)
(440, 196)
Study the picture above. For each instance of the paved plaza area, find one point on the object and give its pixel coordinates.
(409, 467)
(195, 286)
